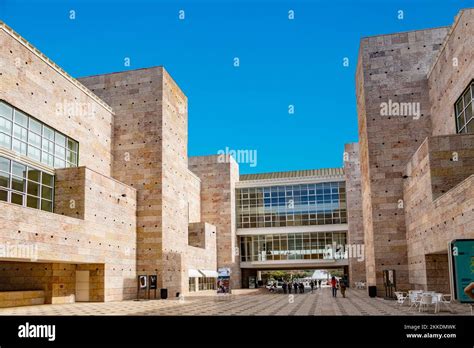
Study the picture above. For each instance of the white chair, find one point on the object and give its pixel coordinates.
(401, 297)
(445, 300)
(425, 302)
(414, 297)
(436, 300)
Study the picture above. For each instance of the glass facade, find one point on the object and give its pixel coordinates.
(206, 283)
(29, 137)
(465, 110)
(292, 246)
(192, 284)
(25, 185)
(292, 205)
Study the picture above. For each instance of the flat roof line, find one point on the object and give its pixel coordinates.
(121, 72)
(53, 65)
(447, 37)
(323, 172)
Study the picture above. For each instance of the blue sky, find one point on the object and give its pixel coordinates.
(282, 62)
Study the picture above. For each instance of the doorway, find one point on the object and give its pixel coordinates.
(82, 286)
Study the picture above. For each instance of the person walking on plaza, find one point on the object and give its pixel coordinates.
(312, 286)
(343, 284)
(289, 287)
(295, 286)
(320, 281)
(301, 285)
(334, 286)
(284, 285)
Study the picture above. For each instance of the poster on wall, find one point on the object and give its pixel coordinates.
(461, 267)
(223, 281)
(142, 283)
(153, 282)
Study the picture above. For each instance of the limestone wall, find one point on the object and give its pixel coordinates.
(451, 73)
(357, 269)
(392, 69)
(218, 178)
(434, 218)
(32, 83)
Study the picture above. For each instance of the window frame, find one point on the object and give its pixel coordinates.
(463, 129)
(25, 193)
(47, 157)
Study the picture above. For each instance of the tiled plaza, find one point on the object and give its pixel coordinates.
(320, 302)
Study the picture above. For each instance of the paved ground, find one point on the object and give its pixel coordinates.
(318, 303)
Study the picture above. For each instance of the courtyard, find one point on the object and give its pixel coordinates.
(320, 302)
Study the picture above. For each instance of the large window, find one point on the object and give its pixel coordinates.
(25, 185)
(464, 109)
(27, 136)
(192, 284)
(206, 283)
(292, 205)
(293, 246)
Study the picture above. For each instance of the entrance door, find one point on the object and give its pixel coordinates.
(82, 286)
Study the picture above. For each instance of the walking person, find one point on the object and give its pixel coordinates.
(301, 288)
(284, 285)
(334, 286)
(343, 284)
(295, 286)
(311, 284)
(320, 281)
(289, 287)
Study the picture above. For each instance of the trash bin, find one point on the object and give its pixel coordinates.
(164, 294)
(372, 291)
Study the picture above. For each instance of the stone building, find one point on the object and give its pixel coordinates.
(414, 103)
(96, 187)
(94, 184)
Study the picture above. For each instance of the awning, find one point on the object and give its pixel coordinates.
(208, 273)
(194, 273)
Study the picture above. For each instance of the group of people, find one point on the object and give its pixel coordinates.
(298, 287)
(339, 284)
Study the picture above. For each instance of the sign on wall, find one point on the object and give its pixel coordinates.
(461, 267)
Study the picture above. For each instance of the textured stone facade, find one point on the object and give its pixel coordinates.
(435, 213)
(416, 172)
(218, 177)
(355, 232)
(393, 68)
(451, 73)
(21, 298)
(125, 210)
(150, 154)
(45, 92)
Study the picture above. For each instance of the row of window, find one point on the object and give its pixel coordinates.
(465, 111)
(291, 205)
(25, 185)
(292, 246)
(336, 216)
(29, 137)
(207, 283)
(204, 283)
(291, 190)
